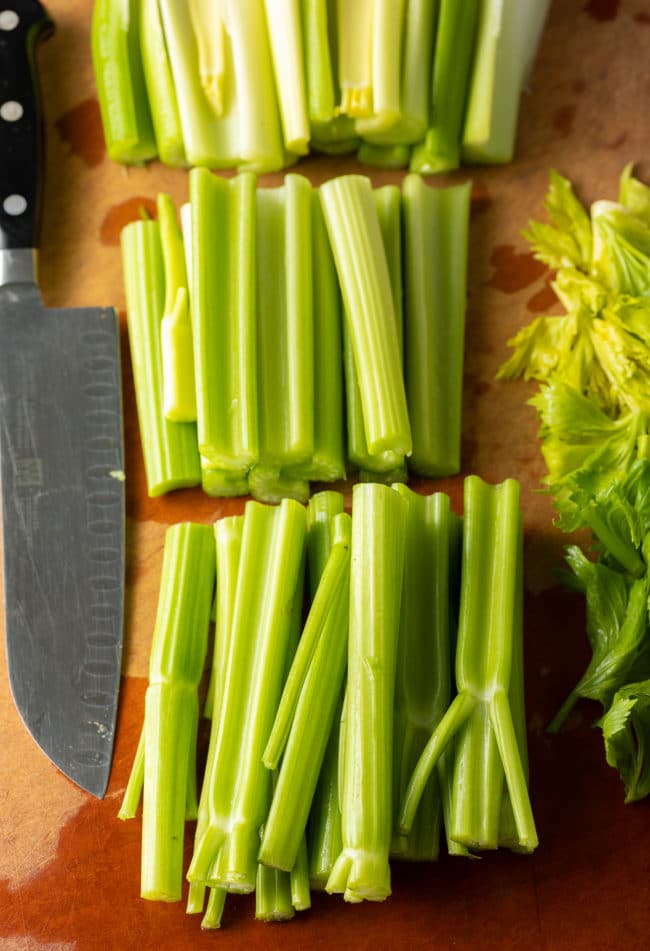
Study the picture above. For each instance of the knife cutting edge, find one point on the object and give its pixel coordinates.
(61, 460)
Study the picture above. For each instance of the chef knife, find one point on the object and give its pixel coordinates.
(61, 460)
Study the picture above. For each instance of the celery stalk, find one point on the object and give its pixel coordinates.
(386, 57)
(452, 64)
(117, 64)
(273, 895)
(355, 47)
(285, 36)
(160, 86)
(207, 24)
(171, 705)
(272, 484)
(436, 222)
(223, 226)
(214, 909)
(269, 570)
(227, 538)
(170, 449)
(223, 483)
(133, 790)
(362, 869)
(355, 235)
(299, 879)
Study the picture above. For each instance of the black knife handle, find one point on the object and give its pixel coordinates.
(22, 23)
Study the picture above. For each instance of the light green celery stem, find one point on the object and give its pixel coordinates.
(208, 27)
(354, 230)
(170, 449)
(355, 49)
(452, 65)
(117, 65)
(227, 538)
(415, 95)
(272, 484)
(161, 92)
(273, 895)
(480, 714)
(508, 33)
(223, 224)
(299, 878)
(362, 869)
(133, 790)
(223, 484)
(436, 226)
(423, 679)
(270, 568)
(327, 463)
(179, 389)
(214, 910)
(329, 131)
(283, 24)
(311, 695)
(384, 156)
(178, 652)
(386, 57)
(285, 341)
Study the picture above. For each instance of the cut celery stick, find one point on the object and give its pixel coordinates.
(283, 23)
(214, 910)
(452, 64)
(355, 236)
(270, 567)
(355, 49)
(227, 538)
(272, 484)
(299, 878)
(386, 59)
(362, 869)
(436, 222)
(223, 483)
(273, 895)
(223, 226)
(207, 24)
(384, 156)
(285, 342)
(133, 790)
(178, 652)
(170, 449)
(117, 64)
(160, 86)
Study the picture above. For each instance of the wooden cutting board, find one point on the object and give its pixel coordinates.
(69, 869)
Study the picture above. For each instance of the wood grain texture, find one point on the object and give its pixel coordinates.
(69, 869)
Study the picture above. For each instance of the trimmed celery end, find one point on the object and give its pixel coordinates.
(355, 236)
(480, 717)
(178, 653)
(133, 790)
(384, 156)
(208, 27)
(283, 24)
(362, 869)
(386, 59)
(161, 92)
(273, 895)
(355, 49)
(224, 484)
(117, 64)
(223, 224)
(272, 484)
(285, 342)
(436, 224)
(227, 540)
(170, 449)
(452, 65)
(214, 909)
(237, 799)
(508, 34)
(299, 878)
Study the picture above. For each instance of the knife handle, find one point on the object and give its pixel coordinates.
(22, 24)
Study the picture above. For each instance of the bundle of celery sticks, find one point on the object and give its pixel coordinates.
(292, 335)
(255, 84)
(365, 697)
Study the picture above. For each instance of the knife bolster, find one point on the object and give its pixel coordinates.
(17, 266)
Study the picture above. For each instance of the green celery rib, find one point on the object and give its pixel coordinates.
(237, 800)
(133, 790)
(178, 652)
(161, 92)
(386, 58)
(355, 48)
(170, 449)
(273, 895)
(452, 65)
(508, 33)
(214, 910)
(227, 538)
(117, 65)
(208, 27)
(223, 224)
(355, 236)
(362, 869)
(299, 877)
(223, 484)
(436, 225)
(272, 484)
(423, 680)
(283, 23)
(285, 341)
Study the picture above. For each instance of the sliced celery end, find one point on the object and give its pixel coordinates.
(214, 909)
(273, 895)
(224, 484)
(133, 791)
(272, 485)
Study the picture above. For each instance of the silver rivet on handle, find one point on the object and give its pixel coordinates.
(9, 20)
(14, 204)
(11, 111)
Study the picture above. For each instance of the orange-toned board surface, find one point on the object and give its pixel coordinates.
(69, 869)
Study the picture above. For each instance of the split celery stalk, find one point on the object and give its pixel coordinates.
(355, 48)
(386, 58)
(362, 869)
(270, 568)
(479, 716)
(283, 24)
(207, 23)
(423, 680)
(160, 88)
(436, 224)
(307, 707)
(273, 895)
(227, 537)
(355, 236)
(507, 38)
(452, 65)
(179, 389)
(170, 449)
(178, 652)
(285, 334)
(117, 65)
(223, 224)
